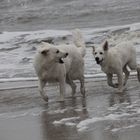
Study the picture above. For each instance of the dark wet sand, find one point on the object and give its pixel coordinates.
(25, 116)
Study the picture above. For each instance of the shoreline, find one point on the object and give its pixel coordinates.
(102, 114)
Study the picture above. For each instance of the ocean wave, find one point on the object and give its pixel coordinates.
(17, 49)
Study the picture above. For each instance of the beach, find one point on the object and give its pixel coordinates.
(103, 114)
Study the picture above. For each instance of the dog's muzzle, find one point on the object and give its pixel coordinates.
(98, 61)
(61, 60)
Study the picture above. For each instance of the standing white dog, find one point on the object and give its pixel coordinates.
(61, 63)
(115, 61)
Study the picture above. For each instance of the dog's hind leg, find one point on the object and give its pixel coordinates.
(72, 84)
(138, 72)
(82, 86)
(127, 73)
(42, 84)
(134, 66)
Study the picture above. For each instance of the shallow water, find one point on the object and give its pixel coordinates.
(102, 115)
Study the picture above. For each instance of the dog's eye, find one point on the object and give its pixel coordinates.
(57, 51)
(95, 53)
(101, 52)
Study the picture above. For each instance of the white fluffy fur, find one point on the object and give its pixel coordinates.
(49, 69)
(115, 60)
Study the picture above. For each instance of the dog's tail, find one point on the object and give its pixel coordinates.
(79, 41)
(138, 71)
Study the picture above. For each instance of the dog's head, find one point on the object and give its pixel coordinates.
(100, 52)
(52, 53)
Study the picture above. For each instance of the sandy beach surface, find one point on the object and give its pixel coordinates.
(102, 115)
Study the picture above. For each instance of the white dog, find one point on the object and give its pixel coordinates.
(115, 60)
(61, 63)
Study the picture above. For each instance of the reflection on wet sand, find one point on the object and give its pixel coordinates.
(63, 132)
(118, 98)
(111, 116)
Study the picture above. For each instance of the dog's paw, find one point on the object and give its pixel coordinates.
(115, 85)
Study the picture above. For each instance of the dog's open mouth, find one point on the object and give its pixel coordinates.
(99, 61)
(61, 60)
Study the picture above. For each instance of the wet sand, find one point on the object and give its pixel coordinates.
(25, 116)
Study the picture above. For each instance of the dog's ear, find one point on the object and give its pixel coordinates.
(44, 52)
(44, 48)
(105, 46)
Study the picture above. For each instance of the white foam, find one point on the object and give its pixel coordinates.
(66, 121)
(119, 112)
(70, 124)
(45, 34)
(59, 111)
(123, 128)
(19, 79)
(83, 125)
(84, 128)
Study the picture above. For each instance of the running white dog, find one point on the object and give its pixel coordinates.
(115, 61)
(61, 63)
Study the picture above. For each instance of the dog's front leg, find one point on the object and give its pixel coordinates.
(109, 81)
(120, 81)
(138, 72)
(42, 84)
